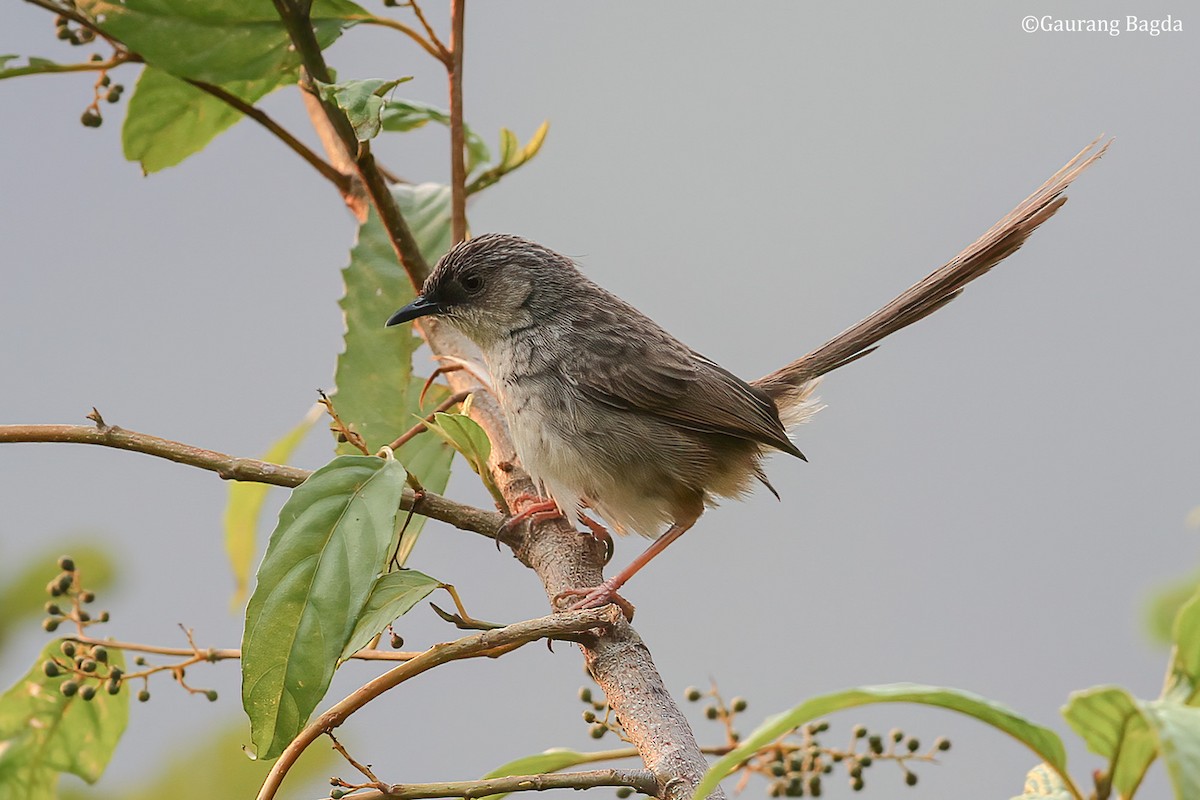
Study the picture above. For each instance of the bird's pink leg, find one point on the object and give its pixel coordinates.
(607, 592)
(538, 510)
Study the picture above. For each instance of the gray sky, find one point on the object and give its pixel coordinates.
(991, 497)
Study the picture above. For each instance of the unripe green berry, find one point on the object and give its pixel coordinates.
(859, 731)
(88, 665)
(66, 564)
(942, 744)
(88, 597)
(866, 761)
(337, 794)
(910, 778)
(53, 609)
(856, 784)
(68, 649)
(738, 704)
(913, 745)
(624, 791)
(711, 712)
(103, 617)
(113, 687)
(84, 616)
(69, 688)
(814, 785)
(896, 735)
(64, 33)
(87, 692)
(598, 730)
(211, 694)
(589, 716)
(50, 624)
(143, 696)
(53, 590)
(876, 745)
(91, 119)
(51, 669)
(585, 694)
(692, 694)
(100, 654)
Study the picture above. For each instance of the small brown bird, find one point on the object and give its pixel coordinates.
(611, 413)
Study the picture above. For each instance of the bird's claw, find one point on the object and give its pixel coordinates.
(596, 597)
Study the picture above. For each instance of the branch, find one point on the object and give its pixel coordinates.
(458, 169)
(555, 626)
(338, 179)
(431, 505)
(227, 653)
(429, 47)
(639, 780)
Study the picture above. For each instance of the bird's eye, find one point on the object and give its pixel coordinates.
(472, 283)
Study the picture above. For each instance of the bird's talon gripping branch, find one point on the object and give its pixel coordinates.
(596, 597)
(538, 510)
(600, 535)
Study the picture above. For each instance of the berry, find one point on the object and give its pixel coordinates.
(90, 119)
(100, 654)
(88, 597)
(87, 692)
(69, 688)
(50, 624)
(113, 687)
(914, 744)
(51, 669)
(585, 694)
(738, 704)
(88, 665)
(711, 712)
(624, 791)
(859, 731)
(942, 744)
(143, 696)
(910, 778)
(66, 564)
(211, 694)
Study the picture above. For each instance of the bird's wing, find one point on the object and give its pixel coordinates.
(624, 360)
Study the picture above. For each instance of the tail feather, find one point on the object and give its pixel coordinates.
(791, 386)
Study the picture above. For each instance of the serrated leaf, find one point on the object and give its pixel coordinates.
(1110, 722)
(407, 115)
(218, 40)
(553, 760)
(1042, 741)
(361, 101)
(24, 595)
(245, 505)
(169, 119)
(377, 393)
(1043, 783)
(333, 538)
(392, 596)
(43, 733)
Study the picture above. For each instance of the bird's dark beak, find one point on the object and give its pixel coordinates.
(421, 307)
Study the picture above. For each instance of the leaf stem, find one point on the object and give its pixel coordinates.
(432, 48)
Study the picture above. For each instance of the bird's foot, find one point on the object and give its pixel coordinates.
(538, 510)
(596, 597)
(600, 534)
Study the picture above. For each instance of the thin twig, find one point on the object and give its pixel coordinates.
(423, 425)
(429, 31)
(429, 47)
(639, 780)
(480, 644)
(458, 168)
(434, 506)
(327, 170)
(214, 654)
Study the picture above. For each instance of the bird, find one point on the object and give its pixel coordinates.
(611, 414)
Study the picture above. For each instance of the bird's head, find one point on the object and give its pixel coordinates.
(491, 285)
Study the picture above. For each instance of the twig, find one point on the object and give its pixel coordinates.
(432, 47)
(480, 644)
(327, 170)
(214, 654)
(429, 31)
(434, 506)
(423, 425)
(458, 169)
(639, 780)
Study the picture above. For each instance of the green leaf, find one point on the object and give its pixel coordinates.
(1110, 722)
(169, 119)
(468, 438)
(512, 156)
(44, 733)
(1177, 728)
(245, 506)
(553, 760)
(361, 101)
(1185, 661)
(407, 115)
(377, 394)
(218, 40)
(1043, 783)
(36, 66)
(333, 538)
(1042, 741)
(24, 595)
(393, 595)
(1164, 607)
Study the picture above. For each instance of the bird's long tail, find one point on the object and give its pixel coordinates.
(791, 386)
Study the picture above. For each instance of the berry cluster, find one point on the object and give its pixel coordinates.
(599, 725)
(76, 36)
(84, 662)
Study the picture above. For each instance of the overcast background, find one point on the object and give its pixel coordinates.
(991, 497)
